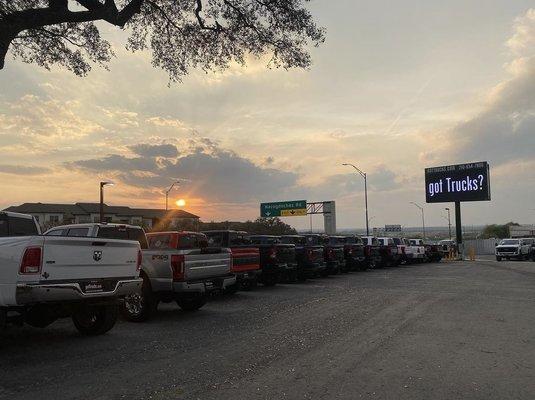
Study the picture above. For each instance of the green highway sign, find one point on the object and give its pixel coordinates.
(283, 209)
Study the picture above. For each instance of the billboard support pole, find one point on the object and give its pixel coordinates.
(459, 229)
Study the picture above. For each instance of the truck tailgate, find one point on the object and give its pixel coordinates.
(203, 265)
(88, 258)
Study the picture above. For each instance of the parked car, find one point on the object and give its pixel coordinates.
(63, 274)
(179, 267)
(372, 251)
(518, 249)
(277, 260)
(333, 252)
(245, 258)
(409, 254)
(391, 255)
(309, 256)
(354, 252)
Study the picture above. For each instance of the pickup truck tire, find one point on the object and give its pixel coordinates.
(95, 320)
(498, 258)
(192, 303)
(140, 307)
(233, 289)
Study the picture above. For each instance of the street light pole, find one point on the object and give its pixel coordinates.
(167, 194)
(102, 184)
(423, 217)
(449, 220)
(365, 176)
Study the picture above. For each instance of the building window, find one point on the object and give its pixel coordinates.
(54, 219)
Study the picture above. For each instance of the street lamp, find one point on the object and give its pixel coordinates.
(167, 194)
(423, 217)
(449, 220)
(363, 174)
(102, 184)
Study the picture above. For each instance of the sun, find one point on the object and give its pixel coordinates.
(180, 203)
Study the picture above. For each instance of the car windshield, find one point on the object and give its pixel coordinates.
(509, 242)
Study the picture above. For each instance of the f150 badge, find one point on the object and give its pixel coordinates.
(97, 255)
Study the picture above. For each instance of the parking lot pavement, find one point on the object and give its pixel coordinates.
(434, 331)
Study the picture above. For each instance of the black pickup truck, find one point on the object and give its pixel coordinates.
(277, 260)
(354, 252)
(338, 243)
(333, 253)
(309, 256)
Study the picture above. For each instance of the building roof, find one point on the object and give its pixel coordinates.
(94, 208)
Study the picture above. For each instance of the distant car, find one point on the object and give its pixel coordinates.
(517, 249)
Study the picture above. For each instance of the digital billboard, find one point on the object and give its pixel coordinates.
(461, 182)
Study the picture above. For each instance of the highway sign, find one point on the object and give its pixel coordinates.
(393, 228)
(283, 209)
(294, 212)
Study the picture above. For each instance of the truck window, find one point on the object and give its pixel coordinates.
(187, 242)
(56, 232)
(21, 227)
(215, 239)
(138, 235)
(235, 239)
(112, 232)
(78, 232)
(159, 242)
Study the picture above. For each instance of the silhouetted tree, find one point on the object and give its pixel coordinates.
(262, 226)
(182, 34)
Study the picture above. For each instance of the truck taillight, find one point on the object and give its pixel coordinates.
(139, 260)
(32, 260)
(402, 249)
(177, 265)
(368, 251)
(273, 253)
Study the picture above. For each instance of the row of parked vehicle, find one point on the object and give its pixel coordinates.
(91, 272)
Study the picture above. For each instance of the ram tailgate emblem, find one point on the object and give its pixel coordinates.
(97, 255)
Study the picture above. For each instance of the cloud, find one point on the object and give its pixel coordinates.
(504, 131)
(23, 170)
(154, 150)
(215, 174)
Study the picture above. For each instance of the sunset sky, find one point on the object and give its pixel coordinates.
(397, 87)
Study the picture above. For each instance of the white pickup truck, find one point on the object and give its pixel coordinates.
(43, 278)
(518, 249)
(409, 253)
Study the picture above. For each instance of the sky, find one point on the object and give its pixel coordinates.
(395, 88)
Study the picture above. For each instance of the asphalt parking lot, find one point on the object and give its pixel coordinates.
(433, 331)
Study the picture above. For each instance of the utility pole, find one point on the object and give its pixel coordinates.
(449, 220)
(102, 184)
(423, 216)
(365, 176)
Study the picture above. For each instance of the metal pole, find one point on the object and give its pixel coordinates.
(166, 200)
(101, 202)
(459, 227)
(449, 221)
(366, 201)
(423, 221)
